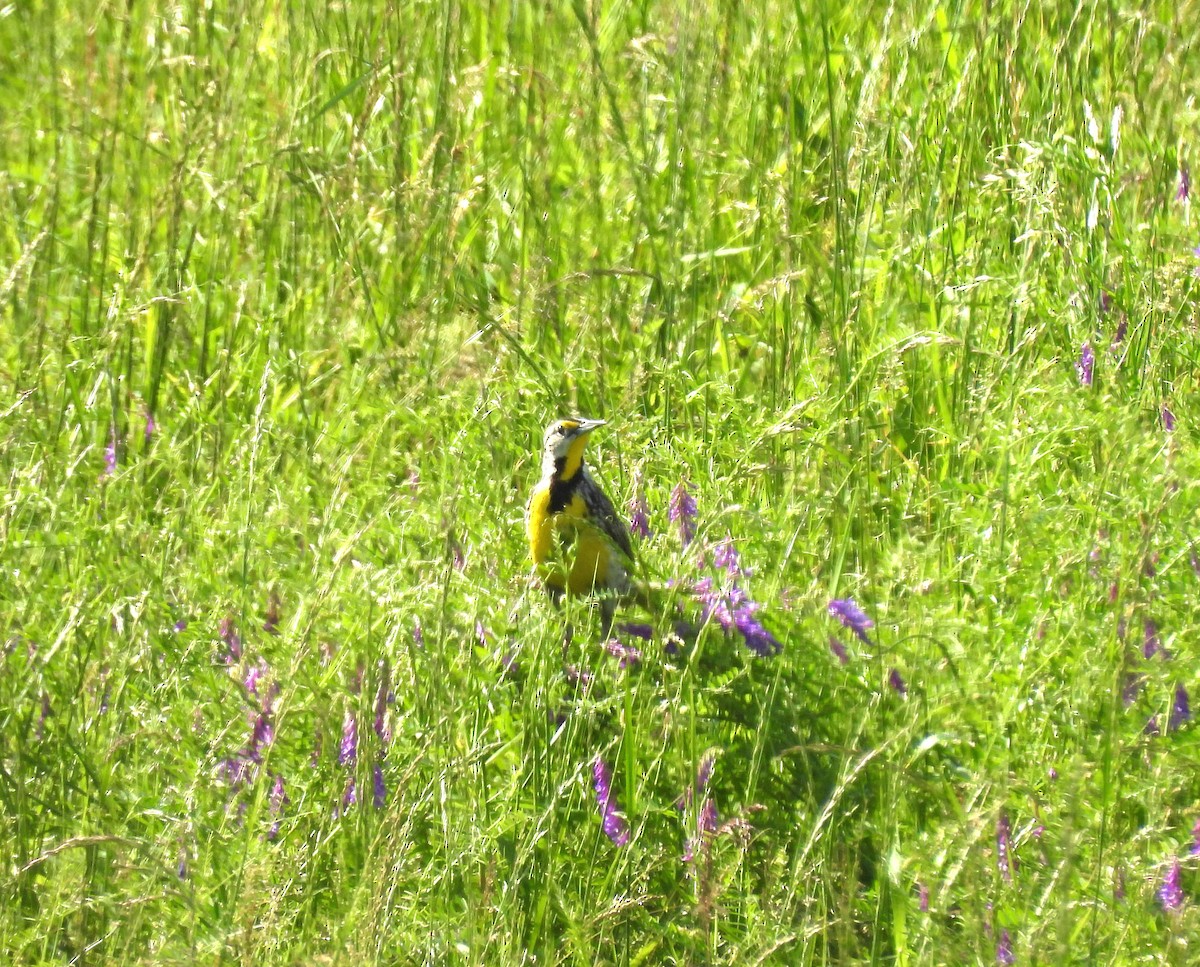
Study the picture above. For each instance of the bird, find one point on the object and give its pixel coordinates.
(578, 542)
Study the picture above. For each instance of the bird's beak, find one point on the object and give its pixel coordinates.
(586, 426)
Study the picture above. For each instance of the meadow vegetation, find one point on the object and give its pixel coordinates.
(903, 297)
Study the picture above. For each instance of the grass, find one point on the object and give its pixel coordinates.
(833, 267)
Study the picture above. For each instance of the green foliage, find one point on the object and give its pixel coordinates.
(833, 265)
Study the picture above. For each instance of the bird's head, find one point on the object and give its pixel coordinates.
(562, 450)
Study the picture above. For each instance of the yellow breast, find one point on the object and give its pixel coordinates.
(590, 562)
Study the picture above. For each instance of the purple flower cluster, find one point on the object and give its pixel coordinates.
(733, 610)
(1004, 950)
(852, 616)
(1005, 861)
(1085, 368)
(611, 820)
(627, 656)
(348, 750)
(233, 641)
(682, 510)
(1170, 894)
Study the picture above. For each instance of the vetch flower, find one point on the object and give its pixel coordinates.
(1195, 850)
(383, 698)
(1168, 419)
(643, 631)
(897, 683)
(726, 557)
(1005, 861)
(233, 641)
(627, 655)
(254, 674)
(379, 793)
(350, 796)
(923, 898)
(1004, 950)
(1181, 710)
(1184, 191)
(1196, 252)
(278, 800)
(836, 646)
(262, 735)
(1151, 643)
(348, 751)
(611, 820)
(682, 510)
(1170, 894)
(852, 616)
(110, 455)
(151, 426)
(1151, 726)
(1086, 365)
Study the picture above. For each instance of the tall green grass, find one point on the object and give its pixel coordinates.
(832, 266)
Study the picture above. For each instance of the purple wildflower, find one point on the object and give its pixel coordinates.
(1195, 850)
(1132, 688)
(181, 624)
(1085, 367)
(1151, 726)
(611, 820)
(262, 735)
(1151, 643)
(279, 799)
(181, 866)
(1196, 252)
(733, 610)
(627, 655)
(1004, 950)
(151, 426)
(643, 631)
(350, 796)
(839, 650)
(639, 513)
(726, 557)
(897, 683)
(379, 793)
(348, 751)
(923, 898)
(1005, 861)
(682, 510)
(758, 639)
(1170, 894)
(1105, 302)
(254, 675)
(1181, 710)
(852, 616)
(1168, 419)
(1194, 560)
(1184, 191)
(233, 641)
(1121, 331)
(383, 698)
(110, 455)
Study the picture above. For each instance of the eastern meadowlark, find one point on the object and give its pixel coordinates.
(577, 541)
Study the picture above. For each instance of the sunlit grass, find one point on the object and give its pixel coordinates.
(289, 293)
